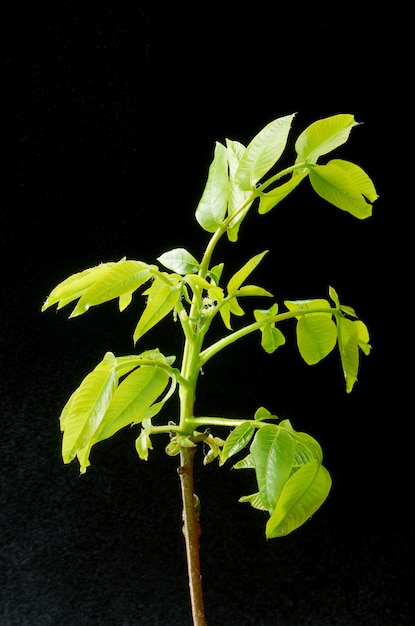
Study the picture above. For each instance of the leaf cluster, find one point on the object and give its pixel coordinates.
(238, 174)
(292, 482)
(120, 391)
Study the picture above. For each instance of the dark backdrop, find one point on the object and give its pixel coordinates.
(109, 115)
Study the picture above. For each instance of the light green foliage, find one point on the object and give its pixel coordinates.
(130, 390)
(263, 152)
(271, 337)
(292, 481)
(117, 393)
(323, 137)
(345, 185)
(213, 204)
(180, 261)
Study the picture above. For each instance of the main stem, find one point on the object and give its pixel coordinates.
(189, 372)
(191, 531)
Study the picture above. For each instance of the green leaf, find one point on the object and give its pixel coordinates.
(143, 444)
(336, 185)
(212, 207)
(253, 290)
(245, 463)
(255, 501)
(179, 260)
(309, 305)
(85, 409)
(262, 413)
(273, 453)
(215, 293)
(301, 496)
(263, 152)
(123, 278)
(225, 313)
(346, 309)
(334, 296)
(241, 275)
(125, 300)
(348, 339)
(271, 337)
(316, 331)
(215, 444)
(291, 480)
(156, 407)
(359, 176)
(215, 273)
(363, 336)
(316, 337)
(127, 363)
(132, 399)
(323, 136)
(265, 314)
(195, 280)
(269, 200)
(162, 298)
(74, 286)
(237, 440)
(237, 196)
(235, 308)
(306, 447)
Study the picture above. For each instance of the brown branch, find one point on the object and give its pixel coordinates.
(191, 531)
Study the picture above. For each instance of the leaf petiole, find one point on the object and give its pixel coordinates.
(216, 347)
(262, 188)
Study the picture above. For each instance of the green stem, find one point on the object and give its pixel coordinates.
(298, 166)
(251, 328)
(220, 421)
(204, 266)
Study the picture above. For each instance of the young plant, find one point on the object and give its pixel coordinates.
(121, 391)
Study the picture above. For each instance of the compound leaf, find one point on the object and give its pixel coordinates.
(291, 480)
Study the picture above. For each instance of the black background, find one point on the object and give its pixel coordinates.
(109, 116)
